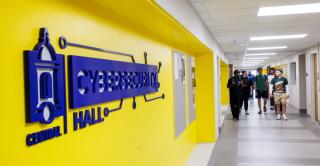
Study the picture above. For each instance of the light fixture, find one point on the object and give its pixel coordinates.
(258, 54)
(278, 37)
(290, 9)
(267, 48)
(253, 60)
(257, 59)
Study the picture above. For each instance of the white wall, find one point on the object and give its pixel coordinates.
(309, 90)
(184, 13)
(297, 91)
(294, 90)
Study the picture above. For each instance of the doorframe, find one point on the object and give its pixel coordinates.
(314, 88)
(311, 53)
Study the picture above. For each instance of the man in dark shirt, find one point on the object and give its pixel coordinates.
(246, 90)
(235, 85)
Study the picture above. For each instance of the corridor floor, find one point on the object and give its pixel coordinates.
(261, 140)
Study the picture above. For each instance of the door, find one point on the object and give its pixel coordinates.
(315, 85)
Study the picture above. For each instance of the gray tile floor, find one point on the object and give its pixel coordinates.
(261, 140)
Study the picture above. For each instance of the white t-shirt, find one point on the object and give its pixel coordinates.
(270, 77)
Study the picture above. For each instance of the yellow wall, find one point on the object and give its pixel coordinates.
(140, 137)
(224, 74)
(205, 98)
(264, 71)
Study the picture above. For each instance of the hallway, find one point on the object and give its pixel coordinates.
(263, 141)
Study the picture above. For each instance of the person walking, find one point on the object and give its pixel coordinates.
(246, 91)
(261, 87)
(271, 98)
(234, 86)
(251, 79)
(281, 94)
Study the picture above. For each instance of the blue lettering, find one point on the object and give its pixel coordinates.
(35, 138)
(94, 77)
(83, 82)
(78, 119)
(87, 117)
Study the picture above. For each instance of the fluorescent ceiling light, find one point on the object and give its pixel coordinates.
(253, 61)
(278, 37)
(290, 9)
(267, 48)
(258, 54)
(251, 58)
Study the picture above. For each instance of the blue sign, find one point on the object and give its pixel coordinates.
(93, 81)
(45, 81)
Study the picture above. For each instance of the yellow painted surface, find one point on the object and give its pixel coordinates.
(264, 71)
(140, 137)
(205, 98)
(224, 74)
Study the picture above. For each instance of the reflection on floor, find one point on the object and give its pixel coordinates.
(261, 140)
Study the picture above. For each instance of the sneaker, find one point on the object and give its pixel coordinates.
(247, 113)
(271, 108)
(285, 117)
(264, 109)
(259, 112)
(278, 117)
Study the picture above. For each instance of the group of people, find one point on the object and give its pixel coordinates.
(272, 87)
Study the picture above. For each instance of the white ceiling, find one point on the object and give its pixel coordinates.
(233, 22)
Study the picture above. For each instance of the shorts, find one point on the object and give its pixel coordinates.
(261, 94)
(280, 98)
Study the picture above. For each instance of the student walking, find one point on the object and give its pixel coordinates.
(246, 90)
(261, 83)
(271, 98)
(234, 85)
(251, 79)
(281, 93)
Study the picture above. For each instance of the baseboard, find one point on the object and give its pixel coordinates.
(200, 155)
(303, 111)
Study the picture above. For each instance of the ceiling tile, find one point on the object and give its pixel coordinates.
(233, 22)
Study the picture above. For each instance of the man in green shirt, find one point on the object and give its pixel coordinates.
(280, 93)
(261, 87)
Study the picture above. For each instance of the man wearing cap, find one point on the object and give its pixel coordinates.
(235, 85)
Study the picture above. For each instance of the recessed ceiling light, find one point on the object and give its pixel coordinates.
(256, 58)
(267, 48)
(258, 54)
(253, 60)
(290, 9)
(278, 37)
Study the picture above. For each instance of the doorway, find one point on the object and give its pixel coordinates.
(314, 62)
(302, 83)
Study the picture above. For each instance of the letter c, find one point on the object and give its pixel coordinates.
(83, 80)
